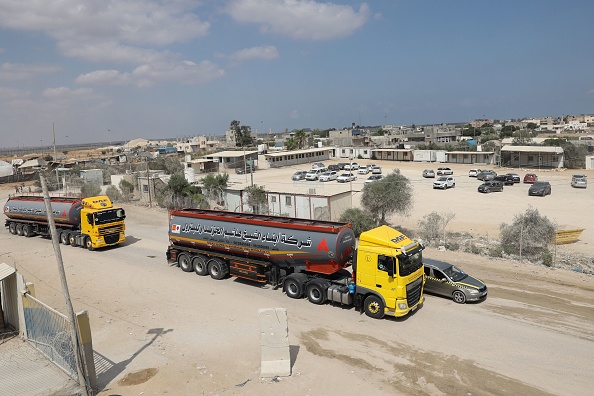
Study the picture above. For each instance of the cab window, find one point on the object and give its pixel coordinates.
(427, 271)
(439, 275)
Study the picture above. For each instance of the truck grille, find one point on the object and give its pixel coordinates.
(413, 292)
(111, 230)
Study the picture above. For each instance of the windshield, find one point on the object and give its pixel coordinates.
(455, 273)
(109, 216)
(409, 264)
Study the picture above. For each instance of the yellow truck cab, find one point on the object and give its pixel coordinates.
(102, 224)
(389, 274)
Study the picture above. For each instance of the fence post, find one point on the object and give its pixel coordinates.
(86, 341)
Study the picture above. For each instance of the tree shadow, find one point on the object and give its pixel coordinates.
(107, 370)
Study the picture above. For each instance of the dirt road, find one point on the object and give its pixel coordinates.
(161, 331)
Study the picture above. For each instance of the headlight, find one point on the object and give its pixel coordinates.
(401, 306)
(473, 291)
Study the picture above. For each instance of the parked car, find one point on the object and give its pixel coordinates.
(373, 178)
(505, 179)
(341, 165)
(515, 177)
(444, 171)
(317, 165)
(346, 177)
(530, 178)
(447, 280)
(376, 170)
(299, 175)
(351, 166)
(244, 169)
(444, 182)
(541, 188)
(428, 173)
(490, 186)
(364, 169)
(486, 175)
(314, 174)
(579, 181)
(334, 167)
(328, 176)
(473, 172)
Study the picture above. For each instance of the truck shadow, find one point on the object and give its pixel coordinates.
(130, 240)
(107, 370)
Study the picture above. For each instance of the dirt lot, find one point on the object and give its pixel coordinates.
(160, 331)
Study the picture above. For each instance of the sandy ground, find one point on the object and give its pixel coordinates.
(159, 331)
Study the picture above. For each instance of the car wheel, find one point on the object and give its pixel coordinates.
(488, 190)
(459, 297)
(374, 307)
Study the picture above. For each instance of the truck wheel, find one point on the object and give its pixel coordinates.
(64, 238)
(316, 292)
(185, 263)
(199, 264)
(217, 268)
(12, 228)
(89, 244)
(459, 297)
(374, 307)
(28, 231)
(19, 229)
(72, 240)
(295, 285)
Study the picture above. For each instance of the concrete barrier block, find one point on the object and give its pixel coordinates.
(274, 343)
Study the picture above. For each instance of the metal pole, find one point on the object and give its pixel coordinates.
(73, 322)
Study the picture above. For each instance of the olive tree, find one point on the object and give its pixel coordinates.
(432, 226)
(361, 221)
(529, 234)
(392, 194)
(90, 190)
(213, 186)
(256, 198)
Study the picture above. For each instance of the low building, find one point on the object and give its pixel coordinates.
(532, 156)
(470, 157)
(297, 157)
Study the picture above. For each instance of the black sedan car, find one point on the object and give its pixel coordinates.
(541, 188)
(445, 279)
(507, 180)
(490, 186)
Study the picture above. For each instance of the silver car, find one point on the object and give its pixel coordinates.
(445, 279)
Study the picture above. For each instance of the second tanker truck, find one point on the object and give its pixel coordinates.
(305, 257)
(91, 222)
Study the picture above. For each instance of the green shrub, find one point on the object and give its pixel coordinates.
(547, 259)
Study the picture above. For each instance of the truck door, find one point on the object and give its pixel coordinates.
(384, 279)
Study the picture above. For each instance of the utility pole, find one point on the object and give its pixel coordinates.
(148, 182)
(73, 322)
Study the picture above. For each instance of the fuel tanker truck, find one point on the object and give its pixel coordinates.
(89, 222)
(383, 275)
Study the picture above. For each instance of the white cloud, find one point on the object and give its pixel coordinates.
(11, 93)
(18, 72)
(67, 93)
(266, 53)
(301, 19)
(148, 74)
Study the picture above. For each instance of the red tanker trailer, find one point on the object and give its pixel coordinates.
(90, 222)
(305, 257)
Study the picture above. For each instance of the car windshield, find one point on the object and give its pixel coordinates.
(455, 273)
(109, 215)
(442, 179)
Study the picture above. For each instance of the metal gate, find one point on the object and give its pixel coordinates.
(49, 331)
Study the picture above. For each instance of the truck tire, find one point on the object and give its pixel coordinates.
(217, 268)
(89, 244)
(72, 240)
(374, 307)
(19, 229)
(64, 238)
(317, 291)
(28, 231)
(199, 264)
(185, 262)
(12, 228)
(295, 285)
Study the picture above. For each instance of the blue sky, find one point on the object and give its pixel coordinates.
(122, 69)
